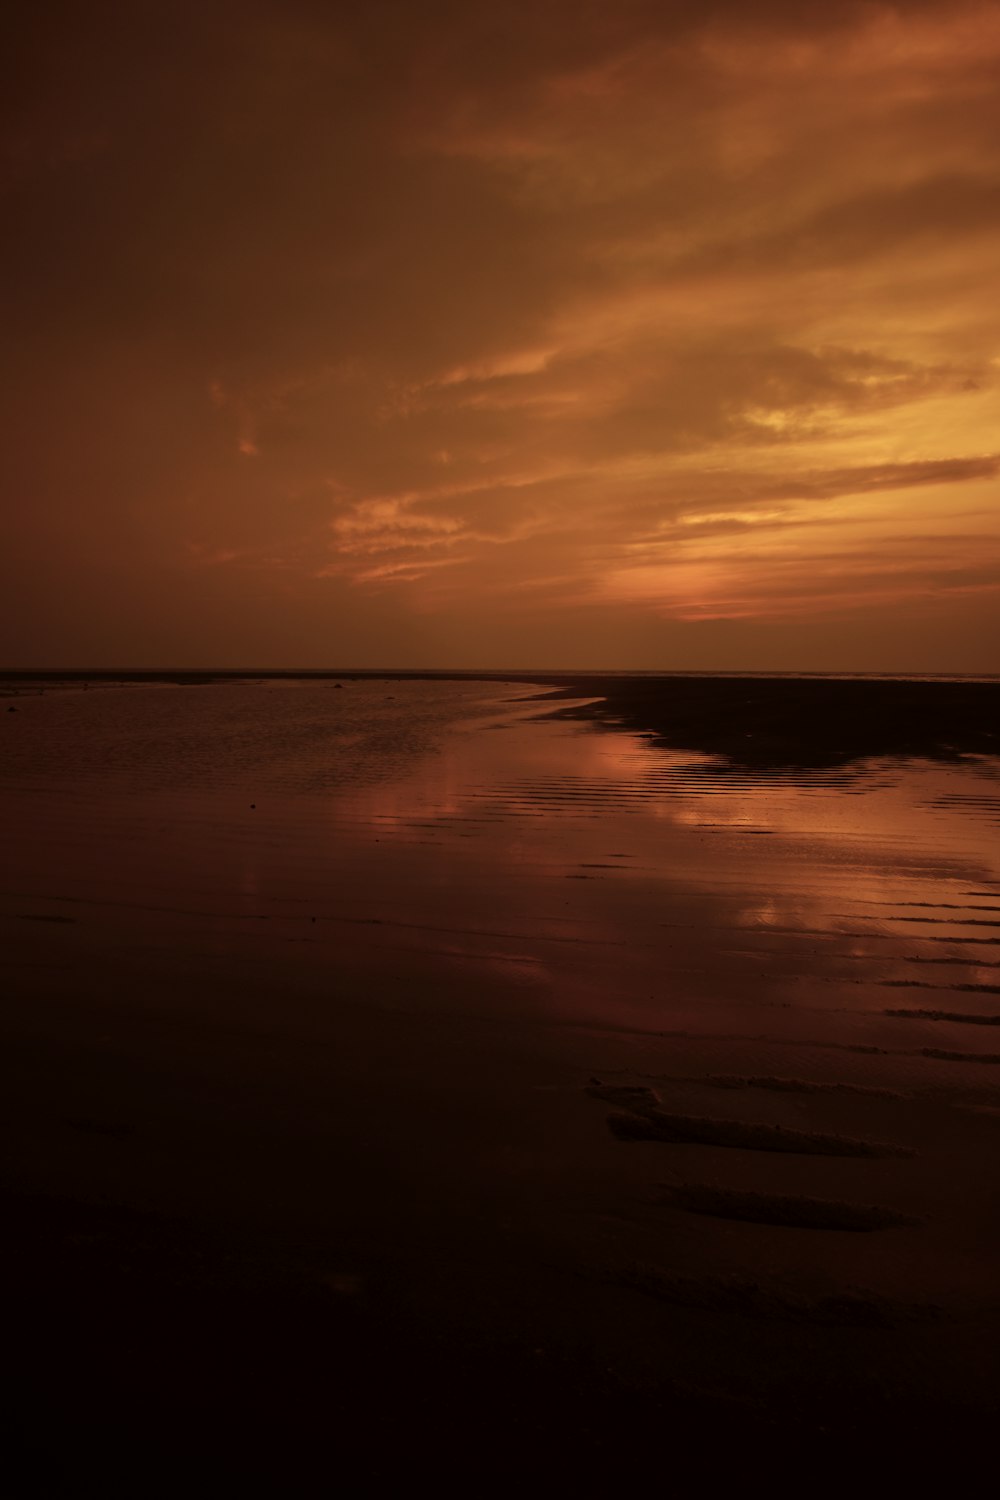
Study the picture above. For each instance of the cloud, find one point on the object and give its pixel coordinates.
(364, 315)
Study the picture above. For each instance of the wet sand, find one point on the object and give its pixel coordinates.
(499, 1095)
(801, 722)
(768, 722)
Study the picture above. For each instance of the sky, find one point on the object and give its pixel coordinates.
(414, 333)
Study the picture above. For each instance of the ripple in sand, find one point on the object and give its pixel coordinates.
(747, 1298)
(694, 1130)
(789, 1212)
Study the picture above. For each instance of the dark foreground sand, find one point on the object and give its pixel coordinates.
(251, 1236)
(339, 1252)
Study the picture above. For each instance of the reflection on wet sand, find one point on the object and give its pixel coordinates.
(679, 1058)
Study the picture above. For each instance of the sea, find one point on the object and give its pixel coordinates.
(569, 871)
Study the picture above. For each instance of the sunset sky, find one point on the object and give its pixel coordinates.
(534, 333)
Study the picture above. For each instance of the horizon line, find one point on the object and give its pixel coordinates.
(481, 672)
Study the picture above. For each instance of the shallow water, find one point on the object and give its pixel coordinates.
(372, 983)
(448, 844)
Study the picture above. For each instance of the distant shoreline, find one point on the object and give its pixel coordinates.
(774, 721)
(197, 675)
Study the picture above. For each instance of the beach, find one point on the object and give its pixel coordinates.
(480, 1076)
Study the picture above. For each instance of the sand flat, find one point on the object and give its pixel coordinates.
(319, 1004)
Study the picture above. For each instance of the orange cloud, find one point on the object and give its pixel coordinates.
(636, 317)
